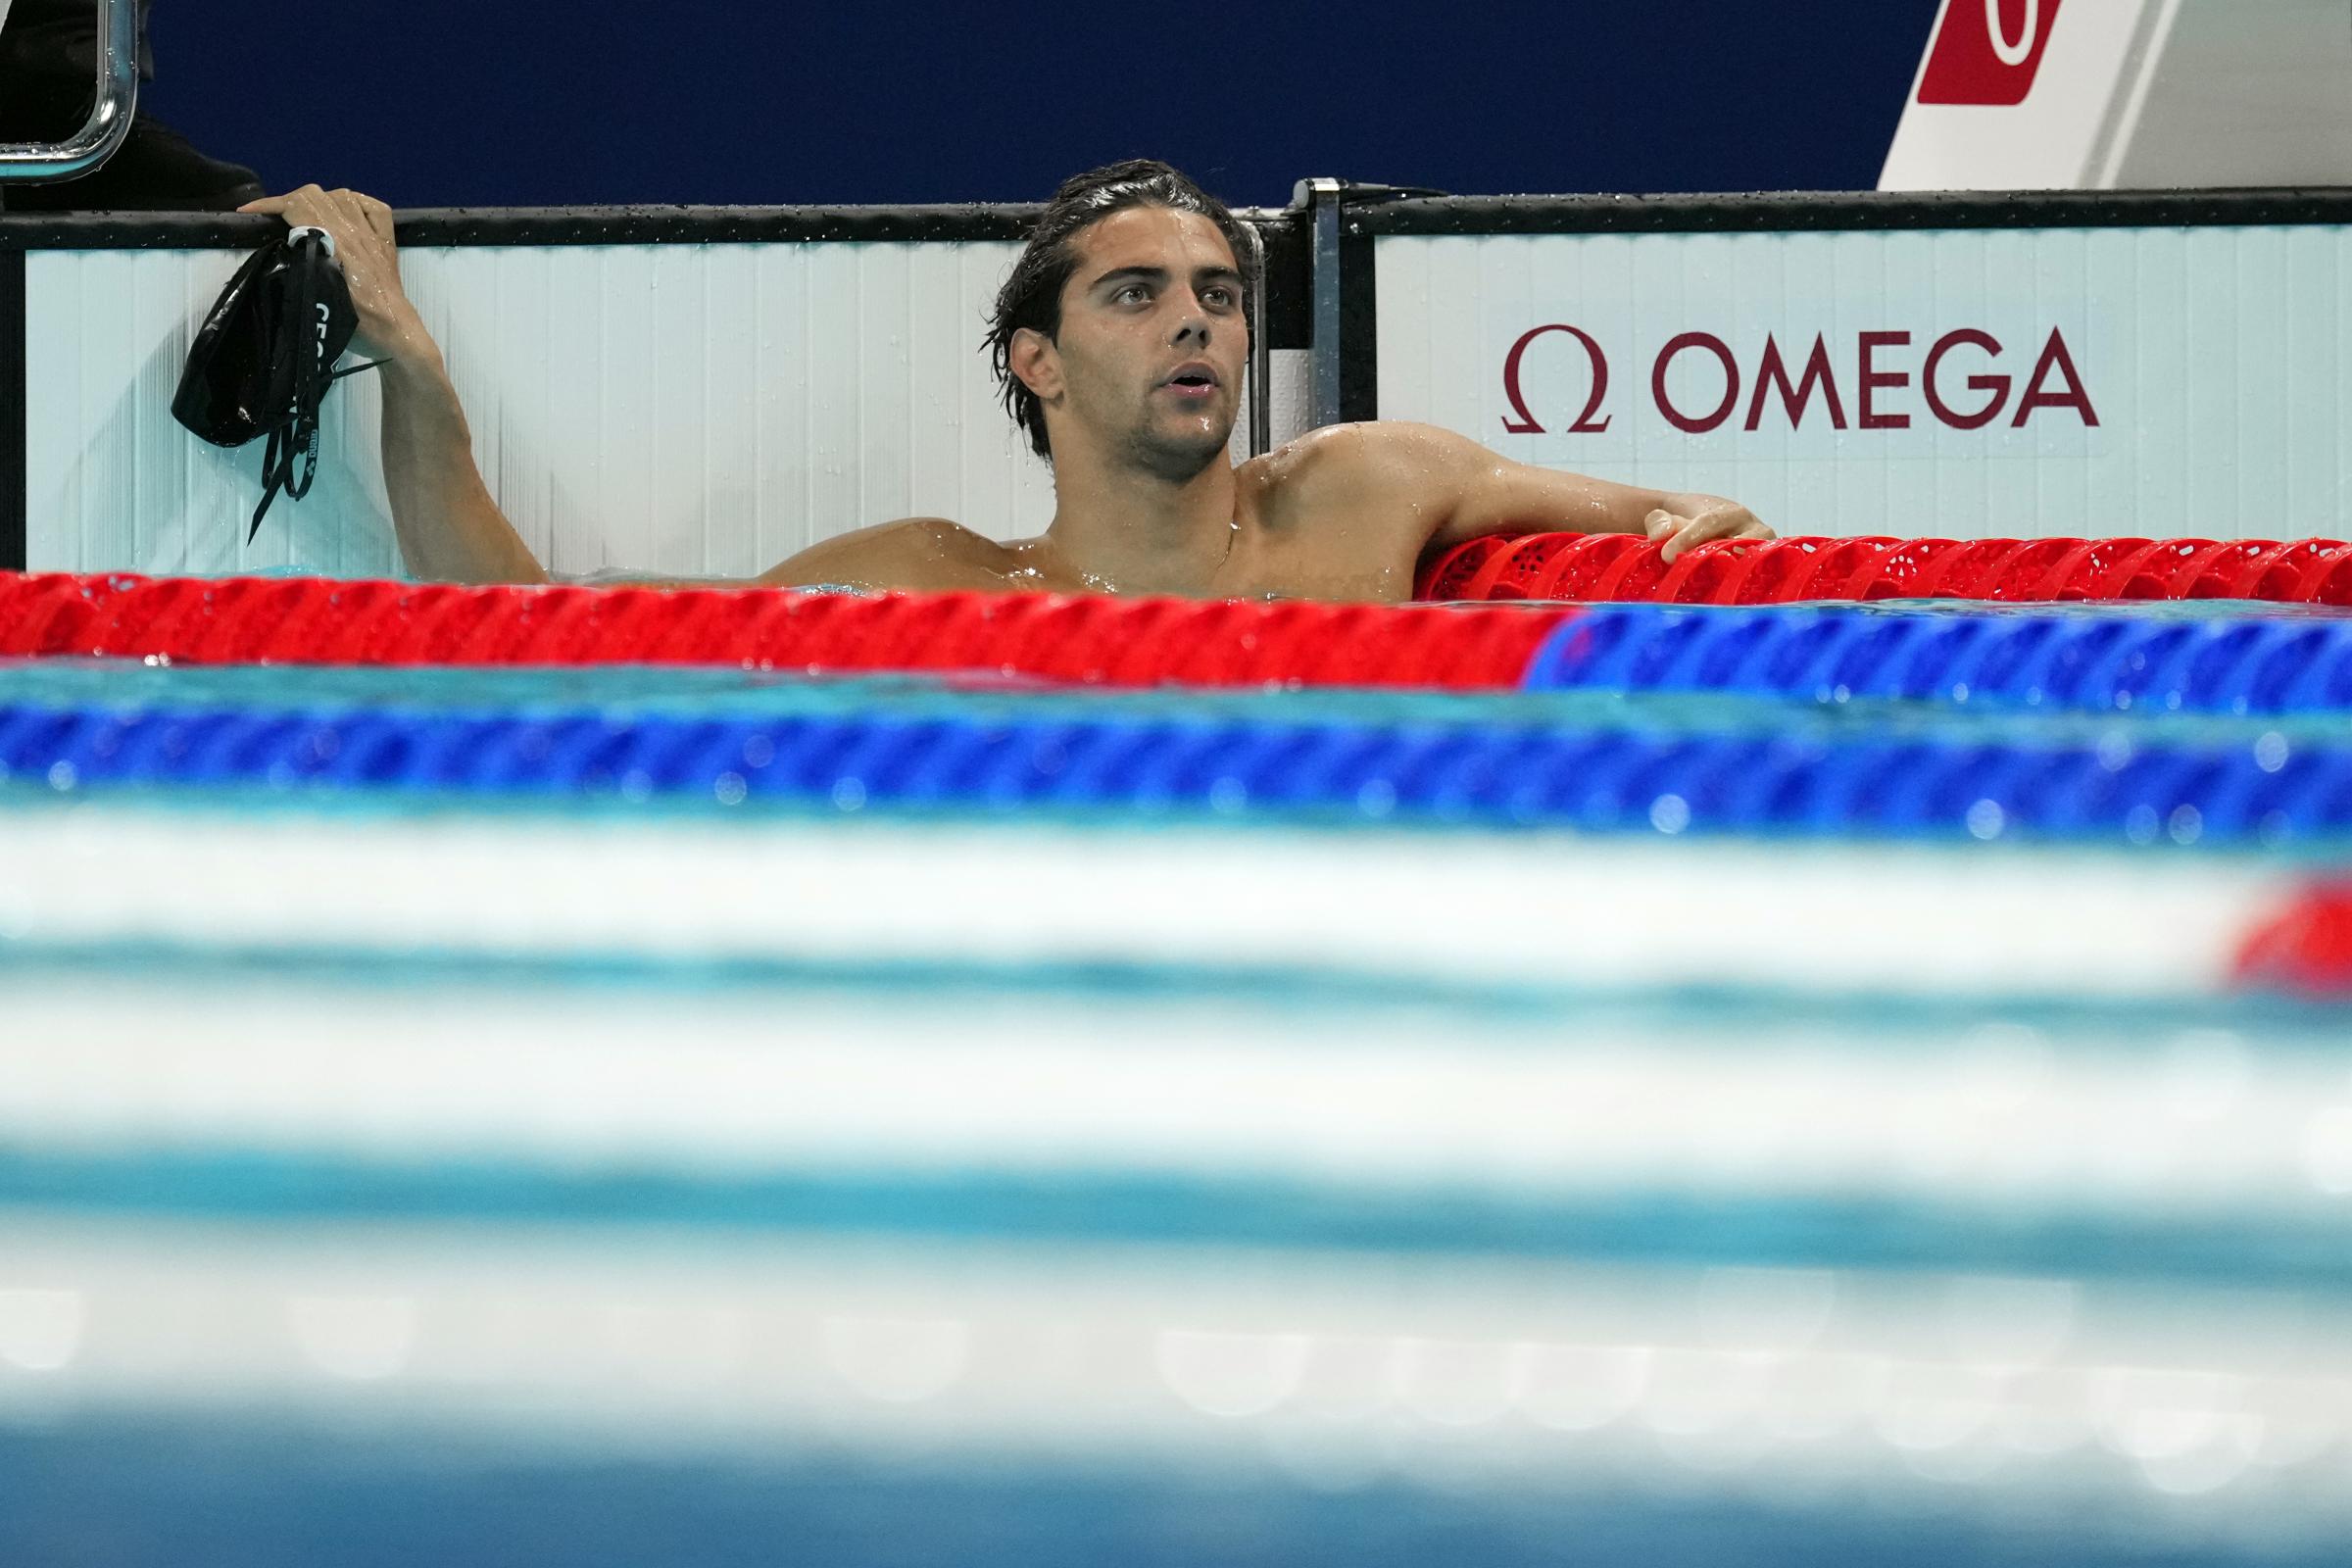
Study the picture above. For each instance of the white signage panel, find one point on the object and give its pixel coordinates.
(2128, 94)
(2026, 94)
(1966, 383)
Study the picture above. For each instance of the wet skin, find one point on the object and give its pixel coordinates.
(1140, 386)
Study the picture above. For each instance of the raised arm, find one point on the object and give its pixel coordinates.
(449, 529)
(1480, 492)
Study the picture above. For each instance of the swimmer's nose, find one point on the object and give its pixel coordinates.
(1196, 326)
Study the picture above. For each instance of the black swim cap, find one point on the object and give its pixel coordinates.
(265, 357)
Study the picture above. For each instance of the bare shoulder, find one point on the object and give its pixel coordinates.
(1377, 464)
(910, 553)
(1373, 451)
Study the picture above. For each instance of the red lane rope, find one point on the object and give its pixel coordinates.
(1621, 568)
(1087, 638)
(1094, 638)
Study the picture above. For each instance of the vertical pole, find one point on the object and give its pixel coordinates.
(15, 473)
(1261, 346)
(1321, 198)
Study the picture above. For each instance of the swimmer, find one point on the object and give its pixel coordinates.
(1120, 342)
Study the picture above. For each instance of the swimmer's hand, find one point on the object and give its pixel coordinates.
(448, 524)
(1694, 519)
(362, 229)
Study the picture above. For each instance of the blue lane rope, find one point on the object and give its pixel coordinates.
(2107, 663)
(1597, 779)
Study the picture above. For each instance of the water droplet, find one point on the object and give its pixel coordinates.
(1670, 814)
(1231, 1375)
(2270, 752)
(1985, 820)
(2327, 1150)
(730, 788)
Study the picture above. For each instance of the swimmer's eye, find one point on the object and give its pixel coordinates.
(1131, 294)
(1219, 295)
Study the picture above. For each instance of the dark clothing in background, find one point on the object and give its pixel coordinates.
(58, 39)
(48, 81)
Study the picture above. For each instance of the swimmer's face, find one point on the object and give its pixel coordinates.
(1153, 341)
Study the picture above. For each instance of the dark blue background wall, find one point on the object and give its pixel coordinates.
(435, 102)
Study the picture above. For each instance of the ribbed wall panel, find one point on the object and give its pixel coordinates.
(2215, 359)
(690, 410)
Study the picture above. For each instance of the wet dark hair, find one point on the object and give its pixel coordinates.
(1031, 297)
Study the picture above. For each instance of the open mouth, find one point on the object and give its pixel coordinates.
(1197, 380)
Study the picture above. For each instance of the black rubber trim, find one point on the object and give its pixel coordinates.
(1286, 283)
(1784, 212)
(14, 473)
(536, 225)
(1288, 286)
(1359, 327)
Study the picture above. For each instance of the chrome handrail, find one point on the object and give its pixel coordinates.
(27, 163)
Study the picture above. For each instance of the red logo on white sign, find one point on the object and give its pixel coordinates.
(1987, 51)
(1883, 373)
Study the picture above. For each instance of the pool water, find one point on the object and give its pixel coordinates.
(522, 1143)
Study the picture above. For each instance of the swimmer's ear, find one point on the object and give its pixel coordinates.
(1033, 358)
